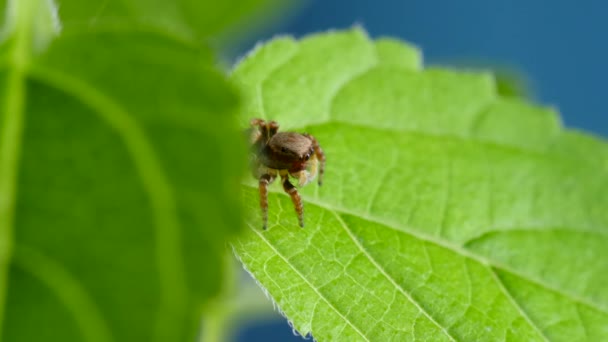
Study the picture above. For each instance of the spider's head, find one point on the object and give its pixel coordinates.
(290, 150)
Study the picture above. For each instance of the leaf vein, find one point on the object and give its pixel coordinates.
(516, 304)
(580, 319)
(538, 154)
(447, 195)
(382, 180)
(67, 288)
(388, 277)
(316, 290)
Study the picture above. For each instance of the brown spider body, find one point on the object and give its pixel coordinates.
(283, 154)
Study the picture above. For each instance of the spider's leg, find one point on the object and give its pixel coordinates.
(265, 179)
(295, 198)
(266, 128)
(256, 122)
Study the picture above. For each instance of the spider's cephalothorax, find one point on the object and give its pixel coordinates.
(283, 154)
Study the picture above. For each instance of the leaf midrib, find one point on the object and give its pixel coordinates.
(10, 146)
(539, 154)
(10, 133)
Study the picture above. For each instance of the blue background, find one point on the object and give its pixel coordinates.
(559, 46)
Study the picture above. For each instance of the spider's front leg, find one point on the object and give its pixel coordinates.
(295, 198)
(265, 179)
(266, 128)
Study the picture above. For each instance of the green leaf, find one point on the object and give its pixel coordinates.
(191, 18)
(3, 11)
(120, 158)
(447, 211)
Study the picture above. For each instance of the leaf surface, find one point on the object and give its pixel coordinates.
(447, 211)
(119, 161)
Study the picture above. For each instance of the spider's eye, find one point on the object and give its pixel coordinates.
(307, 156)
(283, 149)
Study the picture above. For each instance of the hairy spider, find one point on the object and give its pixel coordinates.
(284, 154)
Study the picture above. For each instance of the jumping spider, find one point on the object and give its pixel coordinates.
(284, 154)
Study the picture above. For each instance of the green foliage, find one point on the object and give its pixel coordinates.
(193, 18)
(511, 84)
(448, 212)
(119, 160)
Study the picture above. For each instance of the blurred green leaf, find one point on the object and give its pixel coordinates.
(2, 14)
(509, 80)
(448, 212)
(119, 161)
(510, 83)
(191, 18)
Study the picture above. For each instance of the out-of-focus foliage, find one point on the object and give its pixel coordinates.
(119, 163)
(192, 18)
